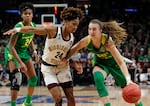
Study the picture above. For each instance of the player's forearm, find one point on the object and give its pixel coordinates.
(118, 57)
(29, 29)
(32, 47)
(71, 53)
(124, 69)
(25, 29)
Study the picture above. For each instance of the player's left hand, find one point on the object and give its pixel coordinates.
(36, 57)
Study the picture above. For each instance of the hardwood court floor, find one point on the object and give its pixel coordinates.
(84, 96)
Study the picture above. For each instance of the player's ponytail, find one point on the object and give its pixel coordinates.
(115, 30)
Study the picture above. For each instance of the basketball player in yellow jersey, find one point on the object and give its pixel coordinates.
(18, 58)
(58, 42)
(107, 59)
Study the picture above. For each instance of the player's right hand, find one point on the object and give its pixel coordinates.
(10, 32)
(23, 67)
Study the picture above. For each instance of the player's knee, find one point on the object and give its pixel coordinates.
(56, 93)
(16, 79)
(58, 102)
(33, 81)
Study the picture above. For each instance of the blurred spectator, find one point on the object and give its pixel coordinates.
(132, 69)
(148, 76)
(83, 57)
(75, 76)
(110, 80)
(4, 77)
(1, 53)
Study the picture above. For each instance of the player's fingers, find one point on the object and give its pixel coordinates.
(6, 33)
(79, 72)
(129, 82)
(37, 59)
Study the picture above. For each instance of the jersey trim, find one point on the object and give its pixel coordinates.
(89, 39)
(104, 38)
(62, 35)
(56, 33)
(22, 24)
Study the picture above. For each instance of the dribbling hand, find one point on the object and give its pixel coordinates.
(129, 81)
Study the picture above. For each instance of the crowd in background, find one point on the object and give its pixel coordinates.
(136, 48)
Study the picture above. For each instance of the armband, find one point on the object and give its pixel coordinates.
(35, 51)
(128, 78)
(17, 29)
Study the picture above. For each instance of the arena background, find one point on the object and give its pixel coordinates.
(135, 15)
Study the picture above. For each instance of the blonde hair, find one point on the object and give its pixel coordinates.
(113, 29)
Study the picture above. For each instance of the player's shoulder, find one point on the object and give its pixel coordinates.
(105, 38)
(19, 24)
(33, 24)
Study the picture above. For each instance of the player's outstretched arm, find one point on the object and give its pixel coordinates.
(79, 45)
(29, 29)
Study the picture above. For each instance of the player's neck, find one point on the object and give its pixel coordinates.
(65, 33)
(26, 23)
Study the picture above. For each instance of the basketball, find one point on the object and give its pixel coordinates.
(131, 93)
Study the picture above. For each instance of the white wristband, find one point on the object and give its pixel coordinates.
(35, 51)
(128, 78)
(17, 29)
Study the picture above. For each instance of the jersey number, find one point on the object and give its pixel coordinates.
(27, 42)
(59, 55)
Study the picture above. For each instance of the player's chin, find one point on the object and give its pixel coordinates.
(74, 30)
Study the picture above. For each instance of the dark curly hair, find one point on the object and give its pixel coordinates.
(26, 5)
(71, 13)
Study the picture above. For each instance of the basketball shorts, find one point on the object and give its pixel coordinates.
(52, 74)
(24, 55)
(110, 66)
